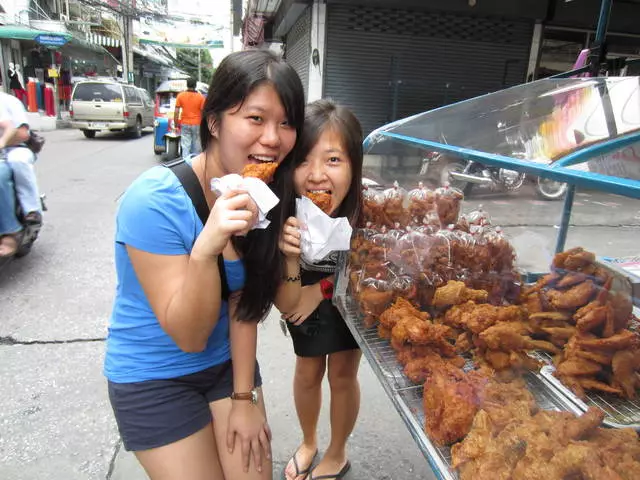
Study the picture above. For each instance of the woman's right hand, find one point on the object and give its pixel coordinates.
(290, 238)
(231, 214)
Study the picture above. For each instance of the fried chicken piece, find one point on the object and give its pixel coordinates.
(399, 309)
(573, 259)
(477, 318)
(624, 364)
(532, 302)
(571, 279)
(543, 282)
(511, 336)
(581, 460)
(421, 332)
(575, 366)
(475, 442)
(575, 297)
(619, 341)
(622, 310)
(572, 384)
(419, 369)
(263, 171)
(455, 293)
(560, 332)
(592, 384)
(576, 428)
(592, 315)
(450, 403)
(322, 200)
(464, 342)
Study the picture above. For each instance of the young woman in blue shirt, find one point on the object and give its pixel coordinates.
(181, 361)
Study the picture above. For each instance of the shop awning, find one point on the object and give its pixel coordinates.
(20, 32)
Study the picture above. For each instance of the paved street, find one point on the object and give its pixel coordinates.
(55, 420)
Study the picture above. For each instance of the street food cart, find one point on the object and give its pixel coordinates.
(571, 130)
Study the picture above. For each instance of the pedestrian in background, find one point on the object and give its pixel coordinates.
(329, 159)
(181, 364)
(188, 114)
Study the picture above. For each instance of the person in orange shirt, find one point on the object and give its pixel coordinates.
(188, 114)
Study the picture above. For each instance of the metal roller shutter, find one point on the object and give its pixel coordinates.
(298, 48)
(390, 63)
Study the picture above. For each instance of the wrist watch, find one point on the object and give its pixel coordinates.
(251, 396)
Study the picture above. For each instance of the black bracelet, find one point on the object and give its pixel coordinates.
(292, 279)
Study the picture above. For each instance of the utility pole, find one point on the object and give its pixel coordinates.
(126, 43)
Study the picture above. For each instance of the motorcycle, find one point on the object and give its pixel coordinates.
(30, 230)
(465, 176)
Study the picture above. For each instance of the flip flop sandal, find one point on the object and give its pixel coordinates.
(335, 476)
(299, 472)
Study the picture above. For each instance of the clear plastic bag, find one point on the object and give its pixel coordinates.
(422, 203)
(394, 206)
(448, 200)
(374, 298)
(373, 207)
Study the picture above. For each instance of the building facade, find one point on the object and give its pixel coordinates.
(388, 59)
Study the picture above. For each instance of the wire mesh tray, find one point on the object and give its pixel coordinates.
(619, 412)
(407, 397)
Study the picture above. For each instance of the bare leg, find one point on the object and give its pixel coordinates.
(345, 405)
(232, 463)
(194, 457)
(307, 394)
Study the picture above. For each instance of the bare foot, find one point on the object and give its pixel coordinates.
(8, 245)
(300, 464)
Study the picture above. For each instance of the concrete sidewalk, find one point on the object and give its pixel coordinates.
(42, 123)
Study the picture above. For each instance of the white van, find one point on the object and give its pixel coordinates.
(98, 105)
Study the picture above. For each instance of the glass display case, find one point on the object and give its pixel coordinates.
(466, 203)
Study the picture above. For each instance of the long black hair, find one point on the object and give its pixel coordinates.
(242, 72)
(233, 81)
(320, 116)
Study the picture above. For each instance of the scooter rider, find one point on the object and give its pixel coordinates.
(9, 225)
(20, 157)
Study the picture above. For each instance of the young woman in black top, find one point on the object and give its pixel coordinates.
(329, 160)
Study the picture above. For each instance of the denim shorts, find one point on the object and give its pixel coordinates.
(155, 413)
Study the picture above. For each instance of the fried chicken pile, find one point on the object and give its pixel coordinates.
(263, 171)
(574, 308)
(546, 445)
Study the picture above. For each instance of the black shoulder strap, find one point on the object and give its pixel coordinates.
(192, 186)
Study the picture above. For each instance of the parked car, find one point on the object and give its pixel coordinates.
(98, 105)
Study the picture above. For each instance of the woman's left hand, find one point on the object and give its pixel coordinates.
(248, 425)
(309, 301)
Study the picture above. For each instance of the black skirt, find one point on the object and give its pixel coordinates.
(323, 333)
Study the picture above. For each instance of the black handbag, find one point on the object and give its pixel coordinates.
(35, 142)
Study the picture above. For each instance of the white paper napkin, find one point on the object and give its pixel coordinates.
(320, 234)
(258, 190)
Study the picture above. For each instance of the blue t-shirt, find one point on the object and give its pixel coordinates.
(156, 215)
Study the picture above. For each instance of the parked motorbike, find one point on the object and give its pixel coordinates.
(465, 176)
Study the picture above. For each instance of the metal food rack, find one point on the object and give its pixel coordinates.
(406, 396)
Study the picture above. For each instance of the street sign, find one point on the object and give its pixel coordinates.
(51, 40)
